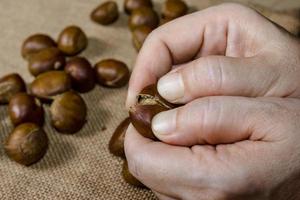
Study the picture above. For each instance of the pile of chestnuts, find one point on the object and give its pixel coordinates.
(143, 19)
(61, 75)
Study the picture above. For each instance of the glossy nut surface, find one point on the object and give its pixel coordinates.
(25, 108)
(173, 9)
(143, 16)
(46, 60)
(116, 143)
(72, 40)
(35, 43)
(49, 84)
(112, 73)
(149, 103)
(10, 85)
(129, 178)
(139, 36)
(68, 112)
(81, 73)
(130, 5)
(106, 13)
(26, 144)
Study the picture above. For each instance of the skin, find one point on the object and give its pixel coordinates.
(237, 134)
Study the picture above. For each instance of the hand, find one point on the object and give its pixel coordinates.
(243, 148)
(225, 50)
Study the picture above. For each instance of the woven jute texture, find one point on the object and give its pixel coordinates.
(76, 166)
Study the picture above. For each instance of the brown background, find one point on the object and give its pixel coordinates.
(79, 166)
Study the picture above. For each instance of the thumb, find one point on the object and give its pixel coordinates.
(220, 76)
(210, 120)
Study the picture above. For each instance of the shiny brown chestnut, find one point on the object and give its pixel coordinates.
(173, 9)
(35, 43)
(116, 143)
(72, 40)
(129, 178)
(139, 36)
(68, 112)
(26, 144)
(81, 73)
(130, 5)
(112, 73)
(106, 13)
(149, 103)
(25, 108)
(10, 85)
(143, 16)
(49, 84)
(46, 60)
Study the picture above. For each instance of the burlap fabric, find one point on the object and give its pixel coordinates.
(76, 166)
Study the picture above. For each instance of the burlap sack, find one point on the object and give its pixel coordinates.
(76, 166)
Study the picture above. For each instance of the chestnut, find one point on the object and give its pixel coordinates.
(130, 5)
(149, 103)
(10, 85)
(49, 84)
(143, 16)
(26, 144)
(46, 60)
(68, 112)
(81, 73)
(25, 108)
(116, 143)
(35, 43)
(72, 40)
(112, 73)
(106, 13)
(139, 36)
(173, 9)
(129, 178)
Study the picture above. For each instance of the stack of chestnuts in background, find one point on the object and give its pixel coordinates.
(60, 75)
(143, 19)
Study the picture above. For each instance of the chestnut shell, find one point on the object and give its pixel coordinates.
(130, 5)
(49, 84)
(46, 60)
(106, 13)
(26, 144)
(112, 73)
(25, 108)
(116, 143)
(149, 103)
(72, 40)
(81, 73)
(68, 112)
(10, 85)
(36, 43)
(173, 9)
(139, 36)
(144, 16)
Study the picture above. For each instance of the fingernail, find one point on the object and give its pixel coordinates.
(164, 123)
(171, 87)
(130, 100)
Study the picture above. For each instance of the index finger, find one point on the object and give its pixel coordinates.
(179, 41)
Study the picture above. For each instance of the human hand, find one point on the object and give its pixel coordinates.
(225, 50)
(242, 148)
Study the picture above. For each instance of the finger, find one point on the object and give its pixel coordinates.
(220, 75)
(210, 120)
(199, 34)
